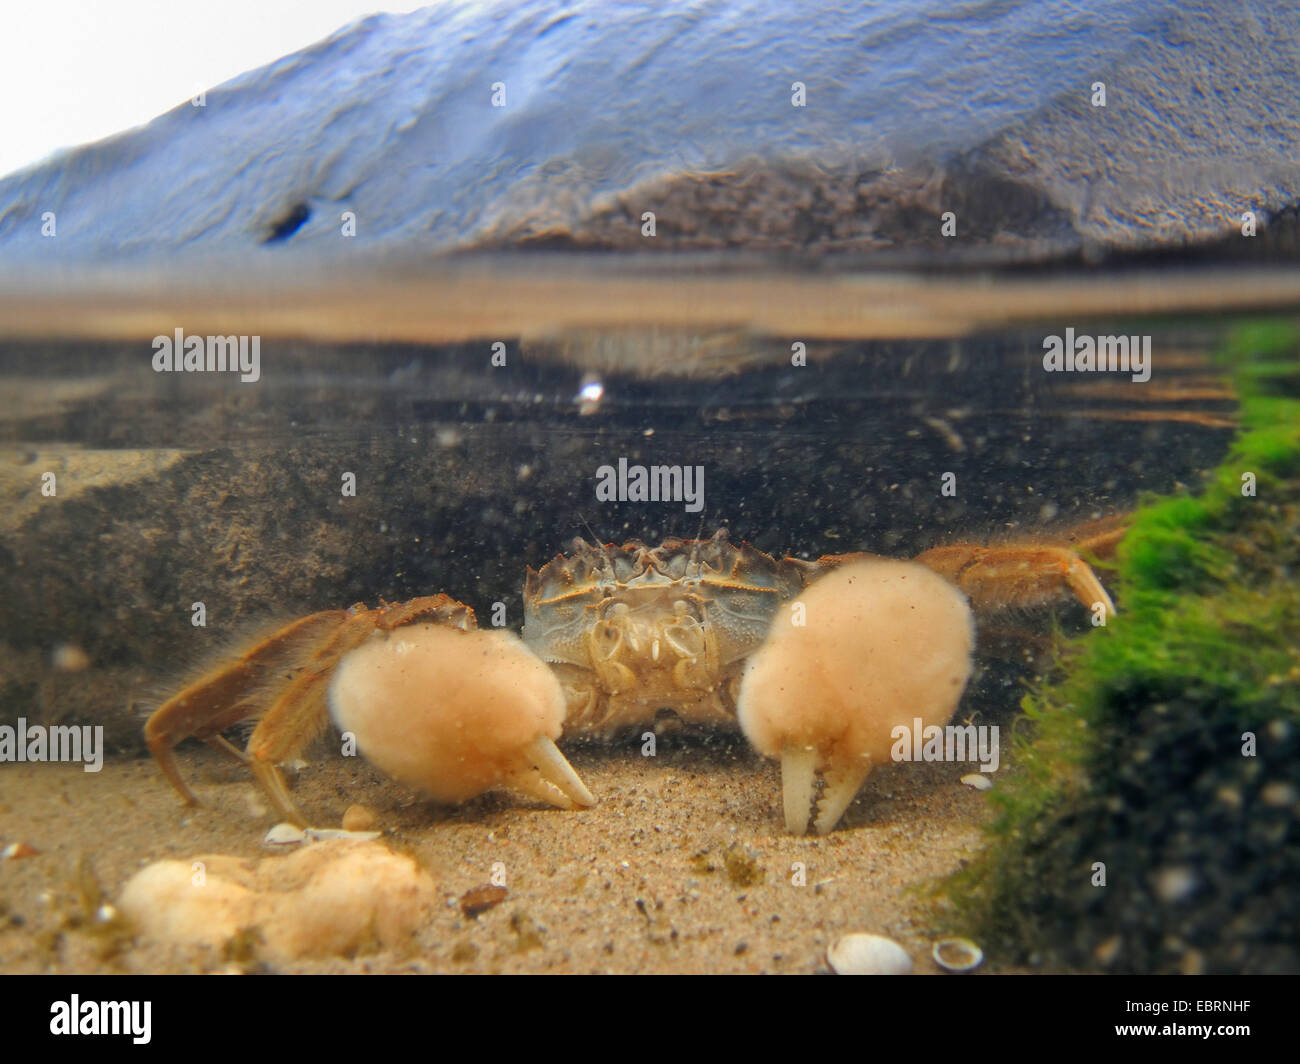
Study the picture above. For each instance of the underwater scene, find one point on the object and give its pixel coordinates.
(680, 488)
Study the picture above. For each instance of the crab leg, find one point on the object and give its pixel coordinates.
(998, 577)
(220, 742)
(1014, 574)
(290, 671)
(298, 714)
(223, 696)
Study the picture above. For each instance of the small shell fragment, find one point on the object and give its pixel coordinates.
(283, 835)
(321, 834)
(287, 835)
(977, 780)
(862, 954)
(16, 850)
(957, 954)
(358, 818)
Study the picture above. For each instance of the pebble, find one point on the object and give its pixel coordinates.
(1175, 884)
(977, 780)
(1107, 951)
(480, 899)
(464, 952)
(863, 954)
(16, 850)
(359, 818)
(68, 657)
(1278, 793)
(742, 865)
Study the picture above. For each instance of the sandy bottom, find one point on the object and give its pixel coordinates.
(682, 867)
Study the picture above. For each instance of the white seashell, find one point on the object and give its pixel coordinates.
(288, 835)
(284, 835)
(957, 954)
(861, 954)
(977, 780)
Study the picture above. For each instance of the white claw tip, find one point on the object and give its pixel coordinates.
(550, 778)
(798, 779)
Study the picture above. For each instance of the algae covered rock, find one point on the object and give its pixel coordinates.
(1153, 824)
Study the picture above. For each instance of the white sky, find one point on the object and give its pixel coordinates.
(73, 71)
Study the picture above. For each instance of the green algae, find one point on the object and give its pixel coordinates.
(1165, 754)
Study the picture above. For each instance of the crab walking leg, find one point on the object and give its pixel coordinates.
(292, 721)
(456, 713)
(220, 742)
(868, 648)
(298, 713)
(998, 577)
(226, 694)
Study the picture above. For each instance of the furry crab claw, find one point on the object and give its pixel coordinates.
(456, 713)
(866, 648)
(430, 699)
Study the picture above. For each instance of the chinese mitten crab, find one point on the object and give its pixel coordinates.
(816, 661)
